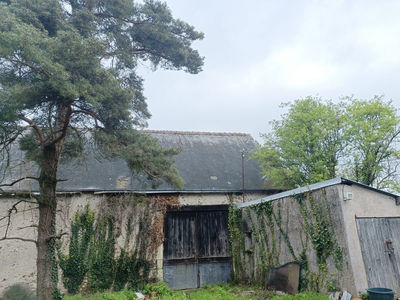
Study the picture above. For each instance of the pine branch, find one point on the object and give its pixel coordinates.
(32, 67)
(36, 128)
(87, 112)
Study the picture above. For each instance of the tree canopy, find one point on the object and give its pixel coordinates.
(73, 64)
(317, 140)
(69, 67)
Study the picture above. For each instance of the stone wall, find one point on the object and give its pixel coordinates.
(18, 258)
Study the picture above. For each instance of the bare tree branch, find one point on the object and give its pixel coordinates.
(62, 122)
(28, 226)
(17, 238)
(8, 218)
(36, 128)
(89, 113)
(56, 236)
(18, 180)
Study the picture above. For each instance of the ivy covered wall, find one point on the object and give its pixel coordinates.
(306, 228)
(113, 243)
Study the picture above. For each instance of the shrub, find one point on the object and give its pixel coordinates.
(131, 272)
(160, 288)
(18, 291)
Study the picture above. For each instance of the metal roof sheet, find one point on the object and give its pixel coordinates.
(312, 187)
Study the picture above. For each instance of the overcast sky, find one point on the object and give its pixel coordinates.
(260, 53)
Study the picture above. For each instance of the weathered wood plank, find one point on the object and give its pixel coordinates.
(197, 246)
(382, 264)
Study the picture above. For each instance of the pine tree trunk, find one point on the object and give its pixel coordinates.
(46, 262)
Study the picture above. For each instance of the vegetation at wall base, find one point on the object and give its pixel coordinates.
(18, 292)
(121, 295)
(215, 292)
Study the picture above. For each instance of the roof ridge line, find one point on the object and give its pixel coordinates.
(196, 132)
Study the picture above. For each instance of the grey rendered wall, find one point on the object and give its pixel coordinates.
(18, 258)
(288, 238)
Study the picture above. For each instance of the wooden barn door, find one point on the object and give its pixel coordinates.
(380, 247)
(196, 246)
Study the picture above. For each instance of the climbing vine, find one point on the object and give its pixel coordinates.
(319, 226)
(74, 266)
(101, 257)
(269, 224)
(114, 248)
(237, 242)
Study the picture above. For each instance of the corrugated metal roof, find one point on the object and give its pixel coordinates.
(312, 187)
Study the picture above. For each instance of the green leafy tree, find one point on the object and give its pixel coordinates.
(71, 64)
(373, 142)
(304, 146)
(317, 140)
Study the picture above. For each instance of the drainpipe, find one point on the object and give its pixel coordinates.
(243, 176)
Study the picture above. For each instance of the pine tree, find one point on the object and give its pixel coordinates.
(72, 64)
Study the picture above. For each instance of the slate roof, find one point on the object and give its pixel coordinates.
(208, 162)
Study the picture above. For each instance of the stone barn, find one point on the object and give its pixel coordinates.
(343, 234)
(180, 236)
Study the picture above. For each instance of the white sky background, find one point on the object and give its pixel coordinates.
(260, 53)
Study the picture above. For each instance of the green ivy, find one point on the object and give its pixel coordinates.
(302, 260)
(74, 266)
(101, 257)
(131, 272)
(318, 227)
(237, 241)
(91, 254)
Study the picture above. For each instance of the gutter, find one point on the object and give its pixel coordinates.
(144, 192)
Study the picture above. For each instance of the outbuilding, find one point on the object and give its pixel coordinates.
(343, 234)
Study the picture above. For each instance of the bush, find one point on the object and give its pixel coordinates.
(160, 288)
(18, 292)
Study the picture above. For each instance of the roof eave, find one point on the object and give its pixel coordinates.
(313, 187)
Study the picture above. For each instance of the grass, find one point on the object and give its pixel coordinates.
(160, 291)
(122, 295)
